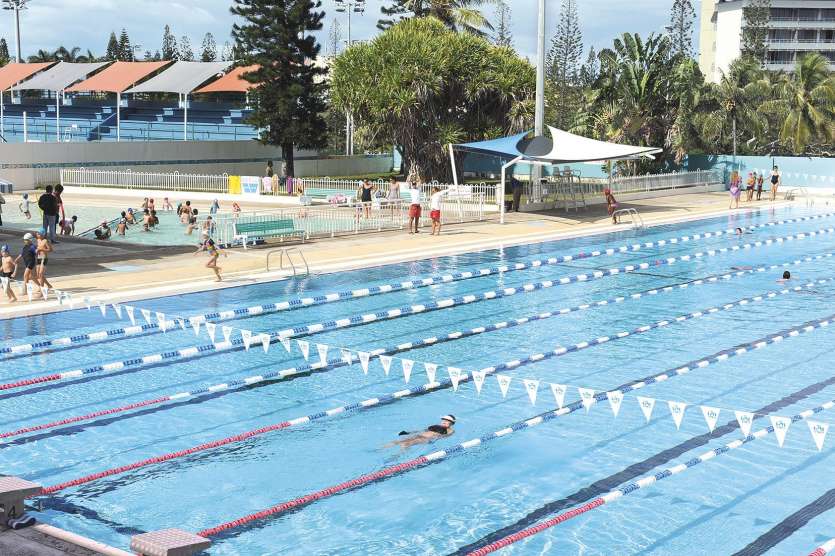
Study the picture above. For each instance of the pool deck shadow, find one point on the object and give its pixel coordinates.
(33, 542)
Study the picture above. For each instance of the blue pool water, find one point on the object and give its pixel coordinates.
(736, 502)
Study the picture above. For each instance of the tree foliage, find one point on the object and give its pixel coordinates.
(112, 53)
(4, 53)
(419, 86)
(755, 17)
(680, 30)
(503, 36)
(186, 52)
(169, 45)
(289, 100)
(458, 15)
(208, 50)
(562, 66)
(125, 48)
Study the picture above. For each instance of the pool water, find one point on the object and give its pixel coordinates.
(740, 502)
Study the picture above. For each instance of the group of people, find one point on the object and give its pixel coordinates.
(753, 185)
(33, 259)
(367, 192)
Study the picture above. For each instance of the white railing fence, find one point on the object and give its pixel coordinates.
(659, 182)
(321, 221)
(349, 187)
(127, 179)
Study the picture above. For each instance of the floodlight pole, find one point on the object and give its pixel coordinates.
(16, 4)
(539, 111)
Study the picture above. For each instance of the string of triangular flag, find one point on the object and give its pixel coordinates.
(31, 289)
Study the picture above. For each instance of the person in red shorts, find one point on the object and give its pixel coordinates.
(435, 209)
(414, 208)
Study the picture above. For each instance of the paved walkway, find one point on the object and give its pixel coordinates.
(120, 272)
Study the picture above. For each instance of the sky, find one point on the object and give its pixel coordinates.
(47, 24)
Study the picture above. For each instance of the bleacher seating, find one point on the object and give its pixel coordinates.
(140, 121)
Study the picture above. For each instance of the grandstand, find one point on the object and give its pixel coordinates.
(126, 101)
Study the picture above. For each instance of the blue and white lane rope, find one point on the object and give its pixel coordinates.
(298, 303)
(824, 549)
(326, 365)
(441, 455)
(644, 482)
(424, 389)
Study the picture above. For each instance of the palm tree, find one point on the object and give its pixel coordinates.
(42, 56)
(64, 55)
(805, 100)
(458, 15)
(734, 101)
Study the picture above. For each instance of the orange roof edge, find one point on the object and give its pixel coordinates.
(231, 82)
(117, 77)
(15, 73)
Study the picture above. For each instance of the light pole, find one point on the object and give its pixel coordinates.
(348, 6)
(539, 112)
(16, 6)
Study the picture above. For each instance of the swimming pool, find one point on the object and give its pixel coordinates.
(476, 495)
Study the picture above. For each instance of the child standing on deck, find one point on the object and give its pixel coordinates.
(8, 268)
(611, 205)
(24, 207)
(214, 254)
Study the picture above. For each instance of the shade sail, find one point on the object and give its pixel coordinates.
(232, 82)
(181, 77)
(14, 73)
(561, 147)
(60, 76)
(117, 77)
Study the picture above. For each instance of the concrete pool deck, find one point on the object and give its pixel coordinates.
(119, 272)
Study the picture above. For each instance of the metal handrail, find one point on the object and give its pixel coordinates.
(288, 251)
(635, 218)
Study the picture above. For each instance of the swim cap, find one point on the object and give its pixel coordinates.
(27, 237)
(4, 249)
(450, 418)
(42, 231)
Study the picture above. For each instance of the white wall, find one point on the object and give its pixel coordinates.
(728, 37)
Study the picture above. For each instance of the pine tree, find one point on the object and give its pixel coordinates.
(226, 52)
(334, 39)
(4, 52)
(289, 100)
(395, 12)
(562, 66)
(755, 17)
(503, 35)
(208, 50)
(169, 45)
(186, 53)
(680, 29)
(112, 52)
(125, 48)
(148, 56)
(157, 56)
(590, 70)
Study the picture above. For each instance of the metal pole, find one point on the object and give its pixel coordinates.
(452, 163)
(185, 117)
(349, 132)
(17, 31)
(118, 117)
(58, 116)
(2, 116)
(539, 114)
(25, 129)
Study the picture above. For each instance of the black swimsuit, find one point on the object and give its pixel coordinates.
(437, 429)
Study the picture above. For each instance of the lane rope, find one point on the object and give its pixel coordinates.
(407, 346)
(824, 549)
(433, 386)
(441, 455)
(298, 303)
(390, 314)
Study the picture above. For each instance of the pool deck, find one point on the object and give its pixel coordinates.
(120, 272)
(45, 540)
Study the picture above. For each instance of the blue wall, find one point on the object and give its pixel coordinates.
(797, 171)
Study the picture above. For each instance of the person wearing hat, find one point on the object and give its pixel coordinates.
(28, 255)
(432, 433)
(104, 227)
(8, 269)
(42, 251)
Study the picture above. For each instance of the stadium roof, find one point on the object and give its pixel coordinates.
(60, 76)
(118, 77)
(14, 73)
(181, 77)
(232, 82)
(561, 147)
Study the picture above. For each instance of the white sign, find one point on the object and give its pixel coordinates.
(250, 185)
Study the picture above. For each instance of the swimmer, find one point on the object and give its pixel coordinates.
(786, 277)
(130, 218)
(166, 205)
(432, 433)
(122, 227)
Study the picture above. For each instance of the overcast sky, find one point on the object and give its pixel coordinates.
(48, 24)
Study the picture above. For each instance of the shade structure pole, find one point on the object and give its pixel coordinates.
(25, 128)
(2, 117)
(185, 117)
(118, 117)
(58, 116)
(452, 163)
(500, 192)
(539, 110)
(17, 31)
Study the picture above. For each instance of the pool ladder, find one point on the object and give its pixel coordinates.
(289, 252)
(634, 218)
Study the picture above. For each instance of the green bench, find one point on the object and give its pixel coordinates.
(282, 227)
(323, 193)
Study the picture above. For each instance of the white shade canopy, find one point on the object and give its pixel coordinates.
(60, 76)
(181, 77)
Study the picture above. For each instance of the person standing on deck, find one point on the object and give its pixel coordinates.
(49, 206)
(414, 208)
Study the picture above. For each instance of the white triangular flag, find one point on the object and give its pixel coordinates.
(161, 321)
(322, 350)
(118, 309)
(455, 376)
(478, 380)
(407, 365)
(195, 324)
(45, 291)
(504, 384)
(587, 397)
(130, 312)
(347, 355)
(532, 387)
(59, 295)
(818, 431)
(246, 336)
(615, 399)
(646, 405)
(89, 304)
(30, 289)
(227, 333)
(559, 391)
(286, 343)
(304, 346)
(711, 415)
(364, 357)
(431, 370)
(385, 362)
(4, 282)
(146, 314)
(677, 410)
(265, 342)
(745, 420)
(781, 427)
(211, 330)
(103, 309)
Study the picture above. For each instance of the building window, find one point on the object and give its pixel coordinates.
(807, 14)
(783, 14)
(807, 35)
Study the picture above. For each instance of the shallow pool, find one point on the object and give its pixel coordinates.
(742, 501)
